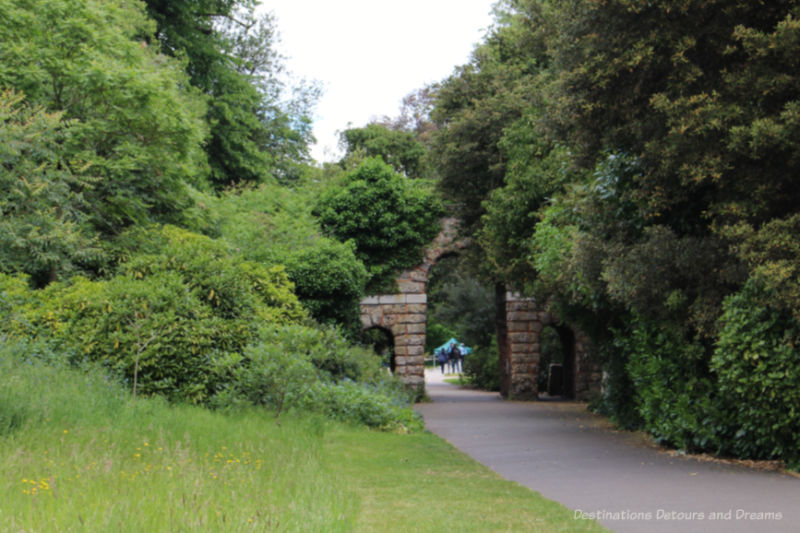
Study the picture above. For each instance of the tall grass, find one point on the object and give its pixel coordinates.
(77, 454)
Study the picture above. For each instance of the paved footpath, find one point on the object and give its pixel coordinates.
(570, 455)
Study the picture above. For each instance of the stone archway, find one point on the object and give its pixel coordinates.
(404, 314)
(520, 351)
(520, 322)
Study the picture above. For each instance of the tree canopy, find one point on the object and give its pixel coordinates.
(634, 163)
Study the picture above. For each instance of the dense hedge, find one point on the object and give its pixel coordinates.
(757, 365)
(741, 402)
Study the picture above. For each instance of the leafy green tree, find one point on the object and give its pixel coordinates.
(256, 131)
(136, 126)
(397, 148)
(704, 94)
(390, 218)
(474, 107)
(43, 229)
(701, 92)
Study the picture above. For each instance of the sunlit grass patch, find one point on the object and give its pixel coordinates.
(101, 462)
(421, 483)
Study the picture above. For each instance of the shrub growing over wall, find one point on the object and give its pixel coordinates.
(390, 218)
(330, 281)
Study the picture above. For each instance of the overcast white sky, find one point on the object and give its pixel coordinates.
(369, 54)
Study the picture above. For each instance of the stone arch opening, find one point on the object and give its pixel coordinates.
(556, 362)
(404, 313)
(520, 360)
(381, 340)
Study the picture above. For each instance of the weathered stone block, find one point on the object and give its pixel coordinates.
(392, 299)
(415, 360)
(411, 318)
(517, 348)
(416, 298)
(411, 287)
(416, 328)
(394, 309)
(415, 382)
(416, 308)
(518, 327)
(376, 317)
(415, 350)
(420, 275)
(414, 340)
(519, 306)
(520, 337)
(369, 300)
(521, 316)
(366, 321)
(519, 360)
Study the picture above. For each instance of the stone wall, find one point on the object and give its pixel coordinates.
(520, 353)
(404, 314)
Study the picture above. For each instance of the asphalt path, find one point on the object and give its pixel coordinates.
(567, 454)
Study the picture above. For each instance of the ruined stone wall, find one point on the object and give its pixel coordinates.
(520, 355)
(404, 314)
(519, 358)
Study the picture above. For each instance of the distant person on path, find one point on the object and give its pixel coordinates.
(441, 358)
(462, 351)
(455, 358)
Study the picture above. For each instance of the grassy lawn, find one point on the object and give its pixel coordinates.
(421, 483)
(76, 454)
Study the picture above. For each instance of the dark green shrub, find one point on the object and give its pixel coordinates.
(273, 225)
(673, 389)
(230, 286)
(16, 298)
(175, 323)
(151, 332)
(363, 404)
(274, 376)
(316, 370)
(330, 281)
(481, 367)
(757, 364)
(326, 349)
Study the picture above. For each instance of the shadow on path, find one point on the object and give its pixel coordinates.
(570, 455)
